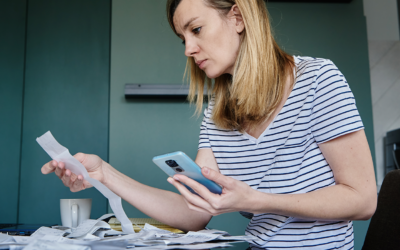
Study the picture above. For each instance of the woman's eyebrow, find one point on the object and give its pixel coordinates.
(187, 24)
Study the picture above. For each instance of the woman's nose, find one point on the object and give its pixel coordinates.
(191, 48)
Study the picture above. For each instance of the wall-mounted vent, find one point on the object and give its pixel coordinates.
(174, 91)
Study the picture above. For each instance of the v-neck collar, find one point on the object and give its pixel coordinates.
(258, 140)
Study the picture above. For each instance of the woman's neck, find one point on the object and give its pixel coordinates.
(257, 130)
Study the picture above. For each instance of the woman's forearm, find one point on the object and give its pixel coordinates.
(338, 202)
(165, 206)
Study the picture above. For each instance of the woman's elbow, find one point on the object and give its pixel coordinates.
(196, 224)
(368, 207)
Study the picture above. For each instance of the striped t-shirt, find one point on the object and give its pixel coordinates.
(286, 158)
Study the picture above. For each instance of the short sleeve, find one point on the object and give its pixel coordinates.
(204, 141)
(334, 111)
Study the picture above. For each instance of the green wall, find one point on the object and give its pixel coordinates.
(145, 50)
(62, 85)
(66, 92)
(12, 28)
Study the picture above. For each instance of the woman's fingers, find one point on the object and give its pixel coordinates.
(66, 178)
(195, 208)
(217, 177)
(69, 179)
(49, 167)
(191, 198)
(214, 204)
(197, 187)
(60, 170)
(183, 190)
(77, 184)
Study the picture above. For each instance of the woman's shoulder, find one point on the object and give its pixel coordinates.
(310, 59)
(307, 62)
(313, 67)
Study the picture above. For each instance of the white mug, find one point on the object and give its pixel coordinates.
(74, 211)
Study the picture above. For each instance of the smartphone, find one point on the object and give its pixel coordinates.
(180, 163)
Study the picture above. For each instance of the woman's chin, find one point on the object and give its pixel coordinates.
(213, 75)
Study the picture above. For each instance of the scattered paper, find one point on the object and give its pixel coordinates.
(149, 238)
(160, 232)
(16, 247)
(61, 228)
(84, 228)
(191, 238)
(8, 245)
(108, 233)
(52, 238)
(11, 247)
(42, 231)
(145, 243)
(98, 245)
(23, 239)
(61, 154)
(5, 238)
(194, 246)
(106, 216)
(213, 231)
(48, 245)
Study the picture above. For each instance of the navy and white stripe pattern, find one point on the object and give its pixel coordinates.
(286, 158)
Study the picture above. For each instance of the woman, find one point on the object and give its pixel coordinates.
(281, 134)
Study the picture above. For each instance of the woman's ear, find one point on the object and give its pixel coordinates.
(236, 16)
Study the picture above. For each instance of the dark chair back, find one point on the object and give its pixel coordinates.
(392, 144)
(384, 229)
(396, 158)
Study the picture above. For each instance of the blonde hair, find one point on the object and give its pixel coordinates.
(257, 86)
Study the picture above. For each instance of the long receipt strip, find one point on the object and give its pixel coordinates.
(61, 154)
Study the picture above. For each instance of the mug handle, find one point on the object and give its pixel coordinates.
(74, 210)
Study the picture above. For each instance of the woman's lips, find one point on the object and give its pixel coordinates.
(201, 64)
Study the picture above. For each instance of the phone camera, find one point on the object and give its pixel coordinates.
(172, 163)
(179, 170)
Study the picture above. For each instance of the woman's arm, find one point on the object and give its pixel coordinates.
(165, 206)
(354, 196)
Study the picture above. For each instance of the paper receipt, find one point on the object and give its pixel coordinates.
(61, 154)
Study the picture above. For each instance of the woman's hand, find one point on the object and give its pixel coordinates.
(93, 164)
(236, 195)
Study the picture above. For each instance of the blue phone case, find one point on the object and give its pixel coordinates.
(188, 167)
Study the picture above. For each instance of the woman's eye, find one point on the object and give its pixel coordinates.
(196, 30)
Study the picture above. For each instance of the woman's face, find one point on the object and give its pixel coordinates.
(211, 39)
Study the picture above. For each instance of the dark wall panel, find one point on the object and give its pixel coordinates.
(12, 47)
(66, 92)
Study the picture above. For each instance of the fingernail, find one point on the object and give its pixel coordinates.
(170, 180)
(176, 177)
(206, 170)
